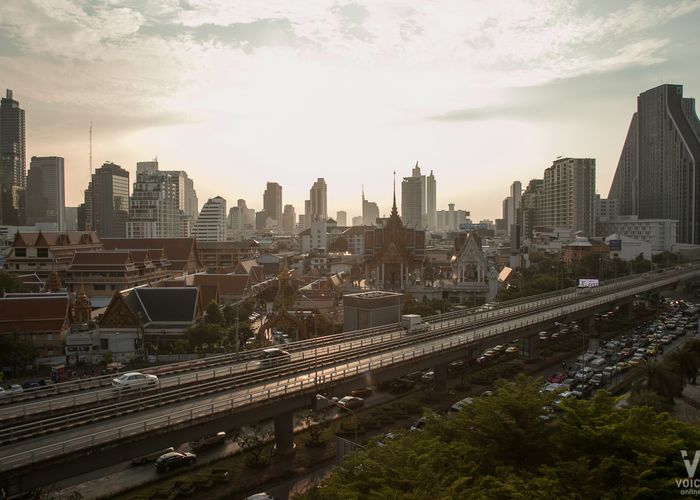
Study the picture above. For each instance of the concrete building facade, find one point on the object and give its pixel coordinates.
(46, 200)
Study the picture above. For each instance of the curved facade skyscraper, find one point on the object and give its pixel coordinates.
(657, 175)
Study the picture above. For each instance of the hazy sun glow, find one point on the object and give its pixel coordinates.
(241, 93)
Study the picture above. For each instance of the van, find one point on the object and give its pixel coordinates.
(597, 364)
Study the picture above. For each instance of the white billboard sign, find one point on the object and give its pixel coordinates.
(587, 283)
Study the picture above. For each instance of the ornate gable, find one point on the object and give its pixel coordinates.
(119, 314)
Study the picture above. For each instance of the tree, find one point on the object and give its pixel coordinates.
(16, 351)
(204, 336)
(646, 397)
(213, 314)
(10, 283)
(502, 447)
(312, 421)
(685, 363)
(252, 439)
(659, 378)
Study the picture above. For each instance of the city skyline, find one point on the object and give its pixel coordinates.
(349, 93)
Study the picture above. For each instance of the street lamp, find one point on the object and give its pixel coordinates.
(342, 407)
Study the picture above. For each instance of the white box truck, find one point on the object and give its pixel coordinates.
(413, 323)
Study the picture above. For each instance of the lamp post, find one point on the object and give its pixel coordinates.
(342, 407)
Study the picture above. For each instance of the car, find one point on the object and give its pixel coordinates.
(543, 335)
(260, 496)
(274, 356)
(582, 391)
(584, 374)
(150, 457)
(512, 350)
(134, 380)
(351, 402)
(636, 360)
(456, 366)
(486, 394)
(419, 424)
(597, 380)
(174, 459)
(554, 336)
(666, 339)
(3, 392)
(208, 441)
(490, 353)
(389, 436)
(31, 385)
(361, 393)
(428, 376)
(556, 378)
(459, 405)
(610, 371)
(499, 348)
(15, 389)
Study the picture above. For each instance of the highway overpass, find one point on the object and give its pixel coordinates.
(66, 433)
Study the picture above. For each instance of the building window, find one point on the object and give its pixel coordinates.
(49, 337)
(20, 252)
(99, 287)
(104, 344)
(42, 252)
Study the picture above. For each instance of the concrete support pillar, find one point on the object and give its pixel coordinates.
(440, 380)
(284, 433)
(627, 311)
(533, 348)
(589, 329)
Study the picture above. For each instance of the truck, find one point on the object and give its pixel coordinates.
(413, 323)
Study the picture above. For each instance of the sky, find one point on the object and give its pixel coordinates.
(239, 93)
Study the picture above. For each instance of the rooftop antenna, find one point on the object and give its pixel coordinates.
(90, 149)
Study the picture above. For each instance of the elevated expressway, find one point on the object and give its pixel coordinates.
(92, 426)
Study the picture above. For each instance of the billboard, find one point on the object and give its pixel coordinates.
(615, 245)
(587, 283)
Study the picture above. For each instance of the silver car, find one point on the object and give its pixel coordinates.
(134, 380)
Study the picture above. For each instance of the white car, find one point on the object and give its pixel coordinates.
(133, 380)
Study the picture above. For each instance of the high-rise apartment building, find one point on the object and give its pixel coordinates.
(569, 195)
(656, 176)
(13, 177)
(154, 204)
(358, 221)
(272, 202)
(289, 218)
(370, 211)
(418, 200)
(46, 191)
(413, 199)
(341, 218)
(530, 205)
(107, 201)
(211, 222)
(431, 201)
(318, 201)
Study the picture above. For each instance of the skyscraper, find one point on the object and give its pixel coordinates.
(289, 218)
(341, 218)
(211, 223)
(370, 211)
(107, 201)
(569, 195)
(318, 201)
(272, 202)
(46, 191)
(530, 207)
(413, 204)
(431, 201)
(154, 203)
(12, 162)
(657, 174)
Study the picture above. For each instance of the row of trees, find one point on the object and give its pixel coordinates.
(659, 382)
(223, 329)
(590, 449)
(548, 273)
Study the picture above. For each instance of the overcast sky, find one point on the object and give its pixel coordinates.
(238, 93)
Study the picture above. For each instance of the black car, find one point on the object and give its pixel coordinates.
(174, 459)
(32, 384)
